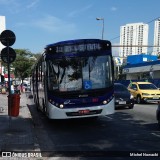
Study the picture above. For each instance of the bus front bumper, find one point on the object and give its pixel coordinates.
(93, 111)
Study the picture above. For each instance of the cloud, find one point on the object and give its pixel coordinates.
(32, 4)
(52, 24)
(79, 11)
(10, 4)
(16, 6)
(113, 9)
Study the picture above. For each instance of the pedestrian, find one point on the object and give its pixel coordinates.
(19, 89)
(23, 88)
(12, 89)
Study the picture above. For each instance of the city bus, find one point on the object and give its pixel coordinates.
(74, 79)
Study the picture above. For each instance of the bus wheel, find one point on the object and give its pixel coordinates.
(37, 105)
(44, 108)
(34, 100)
(139, 99)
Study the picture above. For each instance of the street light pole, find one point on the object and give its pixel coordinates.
(102, 25)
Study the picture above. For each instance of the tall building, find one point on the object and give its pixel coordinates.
(135, 34)
(2, 28)
(156, 49)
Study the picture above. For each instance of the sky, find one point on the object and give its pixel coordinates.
(37, 23)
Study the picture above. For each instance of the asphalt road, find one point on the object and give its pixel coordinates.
(129, 130)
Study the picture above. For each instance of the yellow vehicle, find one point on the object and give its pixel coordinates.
(144, 92)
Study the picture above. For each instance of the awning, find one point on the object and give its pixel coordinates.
(6, 75)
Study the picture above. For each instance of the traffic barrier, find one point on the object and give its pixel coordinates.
(13, 105)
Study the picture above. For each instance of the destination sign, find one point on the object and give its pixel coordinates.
(78, 48)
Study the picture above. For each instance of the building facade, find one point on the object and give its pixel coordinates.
(135, 34)
(2, 28)
(147, 70)
(156, 49)
(142, 67)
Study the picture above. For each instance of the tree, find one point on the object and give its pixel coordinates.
(23, 63)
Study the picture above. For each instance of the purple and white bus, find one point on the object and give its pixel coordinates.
(74, 79)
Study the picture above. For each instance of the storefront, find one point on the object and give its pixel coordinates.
(6, 77)
(145, 70)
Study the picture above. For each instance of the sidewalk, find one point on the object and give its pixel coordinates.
(16, 133)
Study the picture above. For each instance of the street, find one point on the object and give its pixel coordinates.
(127, 130)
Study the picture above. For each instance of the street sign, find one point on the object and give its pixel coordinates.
(7, 38)
(8, 55)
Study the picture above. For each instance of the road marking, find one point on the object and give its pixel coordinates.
(155, 134)
(108, 117)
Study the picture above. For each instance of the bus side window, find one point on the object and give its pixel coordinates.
(52, 78)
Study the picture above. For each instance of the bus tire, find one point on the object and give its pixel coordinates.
(34, 99)
(44, 108)
(37, 105)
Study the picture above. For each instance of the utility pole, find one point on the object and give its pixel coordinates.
(102, 25)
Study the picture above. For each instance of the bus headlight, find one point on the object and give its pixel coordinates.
(104, 102)
(61, 105)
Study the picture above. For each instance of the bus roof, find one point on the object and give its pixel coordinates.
(77, 41)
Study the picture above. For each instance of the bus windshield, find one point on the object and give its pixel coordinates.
(79, 73)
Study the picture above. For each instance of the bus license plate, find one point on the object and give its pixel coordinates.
(84, 111)
(122, 102)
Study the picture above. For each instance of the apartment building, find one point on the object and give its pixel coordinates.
(134, 36)
(156, 48)
(2, 28)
